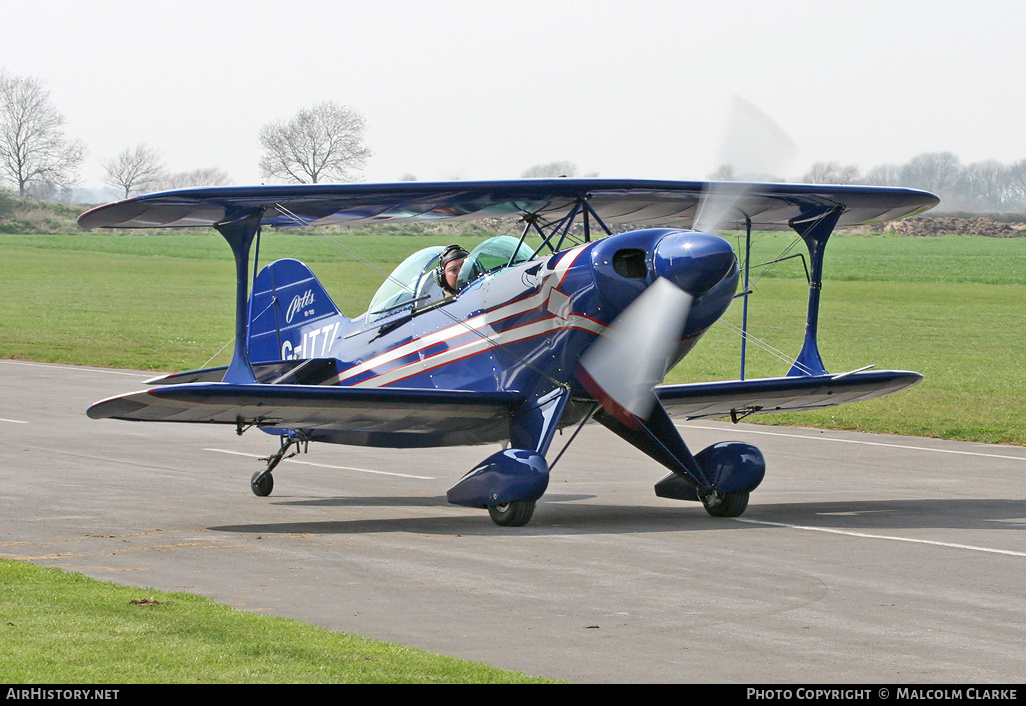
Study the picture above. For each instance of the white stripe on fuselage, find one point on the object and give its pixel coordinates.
(504, 338)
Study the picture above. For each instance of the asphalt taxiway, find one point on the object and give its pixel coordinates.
(861, 558)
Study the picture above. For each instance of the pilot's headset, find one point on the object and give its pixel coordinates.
(451, 253)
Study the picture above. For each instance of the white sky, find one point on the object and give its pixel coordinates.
(487, 88)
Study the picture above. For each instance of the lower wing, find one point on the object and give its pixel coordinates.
(376, 417)
(739, 398)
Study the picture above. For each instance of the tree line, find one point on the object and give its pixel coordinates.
(982, 187)
(38, 160)
(985, 186)
(326, 142)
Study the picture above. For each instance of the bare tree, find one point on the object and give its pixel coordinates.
(1016, 186)
(552, 169)
(884, 175)
(33, 148)
(940, 172)
(138, 170)
(323, 142)
(211, 176)
(832, 173)
(985, 186)
(725, 172)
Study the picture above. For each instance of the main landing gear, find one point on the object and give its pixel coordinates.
(262, 482)
(512, 514)
(725, 504)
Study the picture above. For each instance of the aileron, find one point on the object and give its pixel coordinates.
(781, 394)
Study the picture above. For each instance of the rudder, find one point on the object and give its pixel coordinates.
(291, 314)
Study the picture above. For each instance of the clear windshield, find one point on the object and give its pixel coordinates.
(413, 282)
(493, 254)
(407, 284)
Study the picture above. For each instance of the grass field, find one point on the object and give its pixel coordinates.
(950, 307)
(61, 628)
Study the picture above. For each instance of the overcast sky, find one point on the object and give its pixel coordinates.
(486, 89)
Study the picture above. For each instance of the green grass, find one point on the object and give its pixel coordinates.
(159, 302)
(966, 339)
(887, 257)
(949, 307)
(61, 628)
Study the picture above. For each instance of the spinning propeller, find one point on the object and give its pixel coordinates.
(621, 368)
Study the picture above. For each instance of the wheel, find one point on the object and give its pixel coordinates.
(515, 514)
(726, 504)
(262, 484)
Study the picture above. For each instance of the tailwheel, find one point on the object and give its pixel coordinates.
(725, 504)
(512, 514)
(262, 483)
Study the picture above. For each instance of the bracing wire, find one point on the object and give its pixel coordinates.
(232, 339)
(230, 342)
(764, 346)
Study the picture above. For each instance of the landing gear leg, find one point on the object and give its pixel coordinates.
(262, 482)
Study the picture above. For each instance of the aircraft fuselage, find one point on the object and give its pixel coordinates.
(522, 327)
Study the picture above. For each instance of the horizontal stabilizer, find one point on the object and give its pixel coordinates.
(308, 371)
(739, 398)
(402, 417)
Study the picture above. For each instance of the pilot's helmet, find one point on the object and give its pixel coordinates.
(449, 255)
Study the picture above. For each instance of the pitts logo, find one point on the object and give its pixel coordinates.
(299, 303)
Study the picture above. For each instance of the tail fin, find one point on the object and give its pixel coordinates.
(291, 315)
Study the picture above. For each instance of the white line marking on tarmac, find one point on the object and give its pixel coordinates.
(12, 421)
(324, 465)
(865, 535)
(859, 441)
(87, 369)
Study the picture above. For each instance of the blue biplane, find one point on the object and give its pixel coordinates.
(582, 327)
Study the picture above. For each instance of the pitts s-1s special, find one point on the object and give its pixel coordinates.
(510, 341)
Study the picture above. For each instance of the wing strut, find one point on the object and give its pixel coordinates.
(744, 310)
(240, 232)
(814, 231)
(564, 224)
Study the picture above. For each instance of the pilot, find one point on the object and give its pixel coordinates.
(448, 271)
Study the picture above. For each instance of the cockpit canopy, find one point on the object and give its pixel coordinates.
(413, 282)
(493, 254)
(410, 283)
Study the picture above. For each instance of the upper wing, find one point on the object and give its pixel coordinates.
(738, 398)
(389, 416)
(642, 202)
